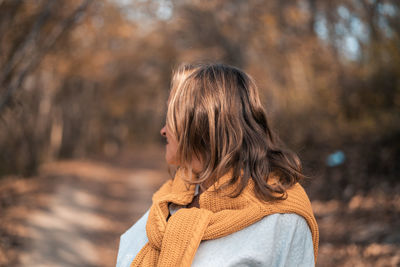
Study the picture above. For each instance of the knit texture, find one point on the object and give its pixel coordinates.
(174, 242)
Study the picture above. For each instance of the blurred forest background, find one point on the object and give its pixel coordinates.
(84, 79)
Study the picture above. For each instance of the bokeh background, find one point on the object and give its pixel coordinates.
(83, 90)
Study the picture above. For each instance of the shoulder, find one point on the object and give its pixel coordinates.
(288, 237)
(132, 241)
(276, 240)
(137, 227)
(282, 222)
(279, 230)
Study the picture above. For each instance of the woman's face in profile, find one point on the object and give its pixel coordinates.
(171, 146)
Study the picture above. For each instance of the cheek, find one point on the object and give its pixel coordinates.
(171, 148)
(171, 153)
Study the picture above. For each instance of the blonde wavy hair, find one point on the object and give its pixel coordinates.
(215, 114)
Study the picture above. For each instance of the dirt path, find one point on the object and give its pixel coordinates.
(78, 211)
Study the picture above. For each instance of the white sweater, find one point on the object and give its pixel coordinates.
(276, 240)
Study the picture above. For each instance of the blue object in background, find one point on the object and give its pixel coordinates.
(336, 158)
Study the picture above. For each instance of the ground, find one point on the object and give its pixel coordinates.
(73, 213)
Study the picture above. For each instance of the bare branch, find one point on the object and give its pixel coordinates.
(28, 44)
(55, 35)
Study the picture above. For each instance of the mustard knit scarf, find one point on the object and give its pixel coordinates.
(174, 242)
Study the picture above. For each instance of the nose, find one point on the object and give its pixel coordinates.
(163, 131)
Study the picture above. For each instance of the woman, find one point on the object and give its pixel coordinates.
(235, 199)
